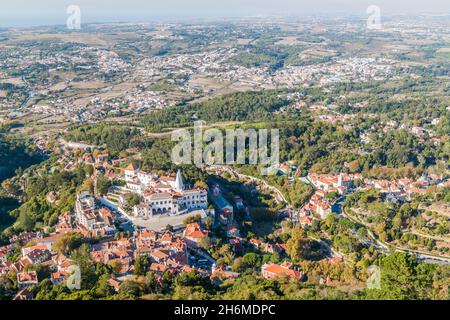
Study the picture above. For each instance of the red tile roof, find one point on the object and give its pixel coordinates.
(274, 270)
(195, 231)
(131, 167)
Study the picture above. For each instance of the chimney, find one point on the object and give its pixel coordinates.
(179, 185)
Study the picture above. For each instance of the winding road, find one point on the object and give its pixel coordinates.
(386, 248)
(382, 246)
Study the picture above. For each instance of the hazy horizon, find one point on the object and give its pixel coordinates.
(23, 13)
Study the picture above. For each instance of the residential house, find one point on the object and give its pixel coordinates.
(25, 279)
(272, 271)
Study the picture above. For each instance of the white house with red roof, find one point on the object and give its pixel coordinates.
(271, 271)
(194, 233)
(25, 279)
(97, 221)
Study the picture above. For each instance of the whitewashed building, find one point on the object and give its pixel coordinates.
(163, 195)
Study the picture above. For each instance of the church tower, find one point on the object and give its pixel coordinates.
(340, 182)
(179, 185)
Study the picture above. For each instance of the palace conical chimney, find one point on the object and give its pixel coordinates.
(179, 185)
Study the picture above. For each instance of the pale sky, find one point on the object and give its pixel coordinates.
(48, 12)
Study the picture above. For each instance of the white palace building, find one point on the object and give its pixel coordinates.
(163, 194)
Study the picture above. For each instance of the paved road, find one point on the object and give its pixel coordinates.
(386, 248)
(157, 223)
(160, 222)
(281, 197)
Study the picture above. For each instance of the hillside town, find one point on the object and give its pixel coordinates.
(337, 186)
(101, 218)
(168, 251)
(93, 205)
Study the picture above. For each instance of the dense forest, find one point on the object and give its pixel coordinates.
(115, 138)
(389, 101)
(15, 153)
(15, 156)
(325, 147)
(240, 106)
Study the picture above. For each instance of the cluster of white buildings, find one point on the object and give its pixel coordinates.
(163, 194)
(330, 182)
(109, 61)
(348, 69)
(404, 189)
(319, 203)
(392, 190)
(98, 221)
(219, 63)
(142, 100)
(186, 64)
